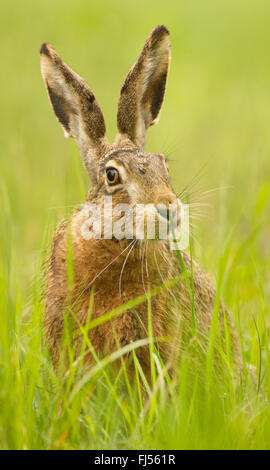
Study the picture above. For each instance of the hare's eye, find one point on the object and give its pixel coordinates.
(112, 176)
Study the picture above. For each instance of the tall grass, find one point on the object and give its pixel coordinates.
(217, 111)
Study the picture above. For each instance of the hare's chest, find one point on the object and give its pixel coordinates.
(117, 326)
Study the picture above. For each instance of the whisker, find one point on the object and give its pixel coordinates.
(161, 277)
(201, 193)
(142, 269)
(194, 180)
(100, 272)
(198, 215)
(124, 264)
(199, 204)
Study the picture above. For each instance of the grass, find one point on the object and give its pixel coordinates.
(216, 114)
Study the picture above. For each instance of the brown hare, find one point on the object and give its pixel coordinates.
(113, 271)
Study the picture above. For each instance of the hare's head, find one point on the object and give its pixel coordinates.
(123, 169)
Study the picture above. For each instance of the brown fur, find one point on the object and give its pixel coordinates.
(143, 90)
(117, 271)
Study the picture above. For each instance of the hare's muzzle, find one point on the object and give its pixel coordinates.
(171, 212)
(168, 212)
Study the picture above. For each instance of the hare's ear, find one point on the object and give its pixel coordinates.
(143, 90)
(75, 106)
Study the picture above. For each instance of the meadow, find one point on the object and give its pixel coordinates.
(214, 129)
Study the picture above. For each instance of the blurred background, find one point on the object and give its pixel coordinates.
(214, 125)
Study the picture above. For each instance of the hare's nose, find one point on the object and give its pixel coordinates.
(167, 212)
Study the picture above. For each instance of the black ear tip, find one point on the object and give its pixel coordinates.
(161, 30)
(44, 49)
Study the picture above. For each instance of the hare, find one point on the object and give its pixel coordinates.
(113, 270)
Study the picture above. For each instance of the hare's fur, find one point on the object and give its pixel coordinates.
(116, 271)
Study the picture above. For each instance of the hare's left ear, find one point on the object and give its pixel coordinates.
(75, 107)
(143, 90)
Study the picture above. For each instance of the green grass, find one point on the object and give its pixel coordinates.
(216, 117)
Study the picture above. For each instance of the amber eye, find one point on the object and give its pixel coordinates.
(112, 176)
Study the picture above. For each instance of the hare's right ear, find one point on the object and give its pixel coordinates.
(143, 90)
(75, 106)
